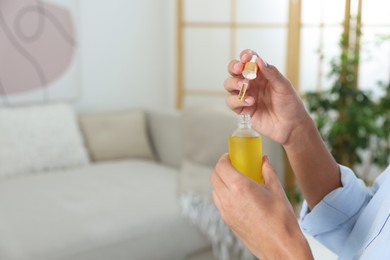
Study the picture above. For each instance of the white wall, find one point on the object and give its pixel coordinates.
(127, 54)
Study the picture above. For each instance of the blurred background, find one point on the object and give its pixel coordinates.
(170, 56)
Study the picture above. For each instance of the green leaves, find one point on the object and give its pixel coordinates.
(348, 120)
(351, 120)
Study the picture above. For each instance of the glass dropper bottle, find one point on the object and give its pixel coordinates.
(249, 73)
(245, 149)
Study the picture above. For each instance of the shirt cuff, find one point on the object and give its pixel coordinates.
(337, 207)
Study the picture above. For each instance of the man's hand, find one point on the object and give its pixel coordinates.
(278, 112)
(260, 216)
(274, 105)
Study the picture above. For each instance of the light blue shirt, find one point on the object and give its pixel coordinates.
(353, 221)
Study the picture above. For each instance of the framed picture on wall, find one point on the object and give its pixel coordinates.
(39, 51)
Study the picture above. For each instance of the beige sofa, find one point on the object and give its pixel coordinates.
(117, 195)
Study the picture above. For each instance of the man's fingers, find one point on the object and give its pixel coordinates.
(246, 55)
(233, 84)
(271, 73)
(236, 105)
(271, 180)
(217, 200)
(216, 181)
(225, 170)
(220, 190)
(235, 68)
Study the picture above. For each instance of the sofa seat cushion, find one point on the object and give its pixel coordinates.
(101, 211)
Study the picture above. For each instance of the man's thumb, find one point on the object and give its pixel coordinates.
(270, 177)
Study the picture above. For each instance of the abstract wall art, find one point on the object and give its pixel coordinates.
(39, 60)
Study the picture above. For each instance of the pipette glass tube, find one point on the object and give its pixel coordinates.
(244, 87)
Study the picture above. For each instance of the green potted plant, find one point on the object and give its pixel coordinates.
(352, 123)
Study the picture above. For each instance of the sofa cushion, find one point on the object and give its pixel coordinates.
(116, 210)
(38, 138)
(116, 135)
(194, 178)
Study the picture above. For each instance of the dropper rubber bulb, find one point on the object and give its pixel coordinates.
(250, 69)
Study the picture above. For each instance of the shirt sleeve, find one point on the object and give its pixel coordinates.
(333, 218)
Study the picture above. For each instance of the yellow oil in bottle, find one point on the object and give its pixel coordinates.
(245, 150)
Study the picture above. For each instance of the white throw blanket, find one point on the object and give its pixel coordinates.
(202, 213)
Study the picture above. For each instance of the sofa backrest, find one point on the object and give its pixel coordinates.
(200, 135)
(165, 135)
(206, 130)
(196, 134)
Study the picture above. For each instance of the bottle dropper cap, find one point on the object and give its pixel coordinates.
(250, 69)
(254, 58)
